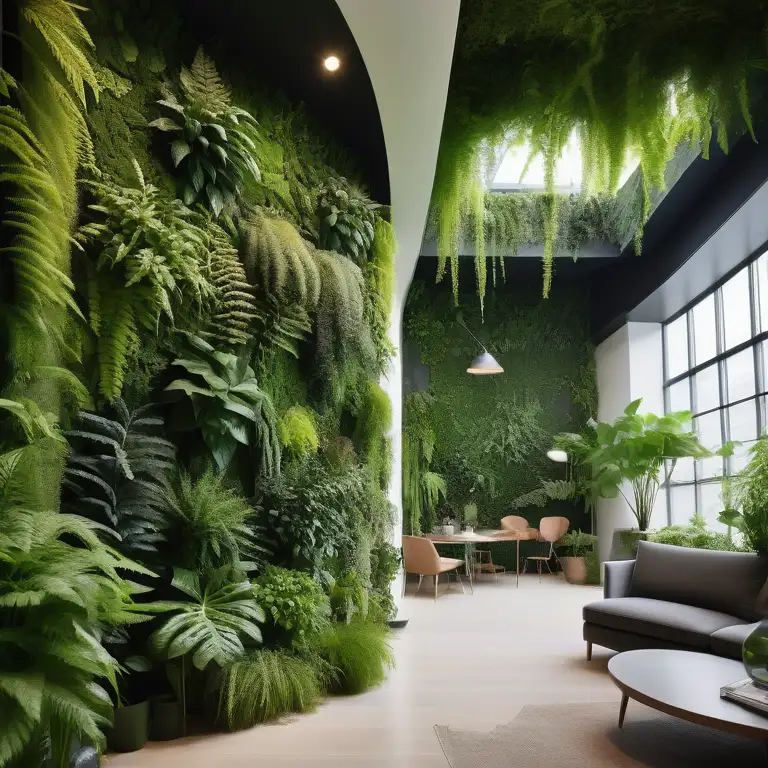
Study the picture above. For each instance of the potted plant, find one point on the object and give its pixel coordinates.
(130, 726)
(577, 546)
(470, 517)
(633, 449)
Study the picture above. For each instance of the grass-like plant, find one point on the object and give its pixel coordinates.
(266, 685)
(360, 653)
(379, 273)
(209, 524)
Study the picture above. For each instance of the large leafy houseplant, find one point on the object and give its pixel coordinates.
(228, 404)
(634, 448)
(213, 144)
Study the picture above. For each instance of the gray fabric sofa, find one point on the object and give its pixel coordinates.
(675, 597)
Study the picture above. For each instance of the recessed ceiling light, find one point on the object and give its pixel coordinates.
(332, 63)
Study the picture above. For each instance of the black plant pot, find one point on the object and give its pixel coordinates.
(167, 719)
(131, 728)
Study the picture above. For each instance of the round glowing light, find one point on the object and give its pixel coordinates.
(332, 63)
(559, 456)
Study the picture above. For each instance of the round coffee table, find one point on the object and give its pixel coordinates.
(686, 685)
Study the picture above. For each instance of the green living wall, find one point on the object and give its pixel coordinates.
(195, 294)
(482, 440)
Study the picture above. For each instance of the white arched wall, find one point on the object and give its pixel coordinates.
(407, 47)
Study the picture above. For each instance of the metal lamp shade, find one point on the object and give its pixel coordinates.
(484, 364)
(557, 455)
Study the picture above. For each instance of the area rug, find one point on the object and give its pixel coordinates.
(587, 736)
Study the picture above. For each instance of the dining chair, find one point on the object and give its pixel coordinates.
(550, 530)
(421, 556)
(515, 523)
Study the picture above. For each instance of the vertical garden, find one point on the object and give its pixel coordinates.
(194, 307)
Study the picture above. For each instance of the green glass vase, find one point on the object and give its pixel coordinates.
(754, 652)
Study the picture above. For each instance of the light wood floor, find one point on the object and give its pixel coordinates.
(470, 661)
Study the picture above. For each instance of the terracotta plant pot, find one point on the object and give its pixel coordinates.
(575, 569)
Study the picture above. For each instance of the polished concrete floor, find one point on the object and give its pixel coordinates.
(470, 661)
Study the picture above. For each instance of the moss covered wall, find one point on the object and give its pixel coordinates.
(491, 433)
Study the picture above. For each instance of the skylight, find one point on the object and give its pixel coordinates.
(567, 170)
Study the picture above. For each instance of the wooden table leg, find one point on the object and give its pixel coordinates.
(623, 708)
(517, 569)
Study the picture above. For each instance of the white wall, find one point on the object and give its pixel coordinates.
(629, 366)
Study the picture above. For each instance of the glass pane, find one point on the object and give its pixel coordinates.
(762, 292)
(736, 311)
(682, 504)
(679, 396)
(742, 422)
(676, 343)
(708, 428)
(704, 333)
(740, 375)
(682, 471)
(706, 389)
(710, 505)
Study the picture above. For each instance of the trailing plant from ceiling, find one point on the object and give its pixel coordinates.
(213, 144)
(279, 260)
(117, 475)
(149, 256)
(569, 72)
(217, 621)
(347, 220)
(379, 272)
(210, 524)
(298, 432)
(228, 404)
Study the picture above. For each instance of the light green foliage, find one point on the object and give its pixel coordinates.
(117, 475)
(347, 219)
(571, 71)
(374, 421)
(236, 310)
(216, 623)
(379, 274)
(280, 261)
(228, 405)
(577, 543)
(266, 685)
(210, 524)
(542, 345)
(348, 597)
(297, 609)
(634, 448)
(517, 430)
(150, 257)
(213, 141)
(359, 651)
(297, 431)
(695, 535)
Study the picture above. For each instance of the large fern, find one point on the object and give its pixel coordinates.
(279, 260)
(202, 84)
(117, 475)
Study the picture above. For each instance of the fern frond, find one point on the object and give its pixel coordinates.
(203, 85)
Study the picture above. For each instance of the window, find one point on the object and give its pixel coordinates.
(716, 365)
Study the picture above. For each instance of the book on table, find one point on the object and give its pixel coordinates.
(747, 693)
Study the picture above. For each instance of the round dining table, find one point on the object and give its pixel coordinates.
(469, 540)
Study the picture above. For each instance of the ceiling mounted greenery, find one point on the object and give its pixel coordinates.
(626, 78)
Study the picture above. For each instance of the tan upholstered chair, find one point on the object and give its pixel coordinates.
(550, 530)
(420, 556)
(514, 523)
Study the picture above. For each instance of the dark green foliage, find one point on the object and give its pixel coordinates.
(385, 564)
(147, 253)
(542, 346)
(695, 535)
(117, 475)
(228, 405)
(347, 219)
(516, 430)
(577, 543)
(296, 607)
(266, 685)
(359, 651)
(210, 524)
(348, 597)
(213, 141)
(215, 624)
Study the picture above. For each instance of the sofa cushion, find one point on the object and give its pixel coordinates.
(725, 582)
(728, 641)
(672, 622)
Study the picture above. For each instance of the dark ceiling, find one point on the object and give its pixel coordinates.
(282, 44)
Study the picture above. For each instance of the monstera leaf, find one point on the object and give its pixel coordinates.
(221, 612)
(228, 404)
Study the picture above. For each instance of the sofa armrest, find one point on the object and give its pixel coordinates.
(618, 577)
